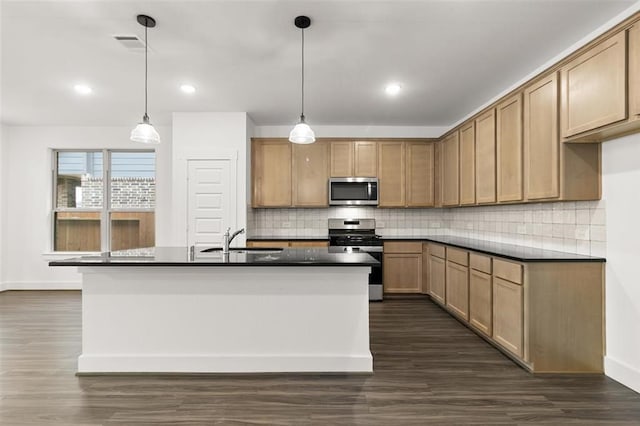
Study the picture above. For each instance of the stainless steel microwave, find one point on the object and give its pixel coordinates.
(353, 191)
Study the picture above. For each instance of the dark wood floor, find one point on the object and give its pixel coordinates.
(429, 369)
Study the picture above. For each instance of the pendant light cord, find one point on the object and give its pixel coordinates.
(146, 48)
(302, 91)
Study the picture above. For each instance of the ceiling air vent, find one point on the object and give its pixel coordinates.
(130, 42)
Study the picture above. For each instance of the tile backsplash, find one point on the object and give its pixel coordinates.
(574, 227)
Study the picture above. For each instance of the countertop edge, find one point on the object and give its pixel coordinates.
(569, 259)
(204, 264)
(590, 259)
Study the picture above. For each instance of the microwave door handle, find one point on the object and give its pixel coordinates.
(369, 191)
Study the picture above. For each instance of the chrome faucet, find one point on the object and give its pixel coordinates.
(227, 239)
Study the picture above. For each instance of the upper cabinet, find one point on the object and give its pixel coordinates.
(437, 173)
(509, 149)
(468, 164)
(291, 175)
(634, 71)
(391, 174)
(271, 171)
(419, 189)
(541, 145)
(594, 87)
(341, 153)
(353, 158)
(486, 157)
(450, 155)
(365, 159)
(554, 170)
(286, 175)
(310, 175)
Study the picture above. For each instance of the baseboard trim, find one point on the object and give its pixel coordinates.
(132, 364)
(41, 285)
(622, 373)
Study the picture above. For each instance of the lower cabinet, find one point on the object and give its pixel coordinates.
(508, 315)
(402, 272)
(437, 279)
(402, 267)
(546, 316)
(480, 301)
(457, 289)
(288, 244)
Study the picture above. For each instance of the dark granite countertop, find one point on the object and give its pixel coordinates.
(181, 256)
(508, 251)
(282, 238)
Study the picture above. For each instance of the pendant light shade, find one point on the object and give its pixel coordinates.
(302, 133)
(144, 132)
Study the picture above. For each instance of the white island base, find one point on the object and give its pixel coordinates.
(235, 319)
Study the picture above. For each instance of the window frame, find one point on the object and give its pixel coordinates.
(106, 209)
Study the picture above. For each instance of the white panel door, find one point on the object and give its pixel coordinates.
(211, 201)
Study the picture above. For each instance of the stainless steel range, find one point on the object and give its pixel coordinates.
(354, 235)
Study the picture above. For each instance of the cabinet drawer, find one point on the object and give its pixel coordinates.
(403, 247)
(436, 250)
(263, 243)
(460, 257)
(312, 244)
(507, 270)
(480, 263)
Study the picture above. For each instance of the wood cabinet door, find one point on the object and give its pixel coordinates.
(437, 285)
(594, 87)
(310, 175)
(271, 171)
(365, 159)
(437, 174)
(419, 179)
(402, 273)
(451, 154)
(468, 164)
(480, 304)
(457, 278)
(486, 158)
(341, 158)
(634, 71)
(269, 244)
(509, 149)
(391, 174)
(425, 268)
(541, 143)
(308, 244)
(508, 315)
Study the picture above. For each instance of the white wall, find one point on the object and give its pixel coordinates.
(2, 204)
(207, 135)
(328, 131)
(26, 166)
(620, 180)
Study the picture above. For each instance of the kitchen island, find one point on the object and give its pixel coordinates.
(170, 310)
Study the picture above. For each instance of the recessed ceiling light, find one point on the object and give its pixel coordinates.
(392, 89)
(82, 89)
(187, 88)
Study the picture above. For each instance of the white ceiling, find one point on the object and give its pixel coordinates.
(450, 56)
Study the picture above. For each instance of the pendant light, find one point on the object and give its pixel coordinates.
(302, 133)
(144, 132)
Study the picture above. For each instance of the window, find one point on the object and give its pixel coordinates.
(103, 200)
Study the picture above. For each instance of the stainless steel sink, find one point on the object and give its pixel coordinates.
(257, 250)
